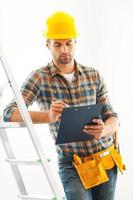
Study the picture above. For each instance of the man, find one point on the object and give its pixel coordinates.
(62, 83)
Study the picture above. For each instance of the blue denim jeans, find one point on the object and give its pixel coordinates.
(74, 189)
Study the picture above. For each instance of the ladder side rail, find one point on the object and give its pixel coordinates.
(10, 155)
(27, 119)
(15, 169)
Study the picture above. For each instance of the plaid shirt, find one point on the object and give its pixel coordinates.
(87, 87)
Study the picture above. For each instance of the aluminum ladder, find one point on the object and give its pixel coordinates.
(35, 140)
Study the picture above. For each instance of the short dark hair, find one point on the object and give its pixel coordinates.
(48, 41)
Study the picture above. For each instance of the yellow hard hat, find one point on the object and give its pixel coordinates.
(60, 25)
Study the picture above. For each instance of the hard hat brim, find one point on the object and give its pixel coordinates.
(60, 36)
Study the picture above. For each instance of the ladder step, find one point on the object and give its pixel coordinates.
(23, 162)
(36, 197)
(4, 125)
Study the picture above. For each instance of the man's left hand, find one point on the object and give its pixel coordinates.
(96, 130)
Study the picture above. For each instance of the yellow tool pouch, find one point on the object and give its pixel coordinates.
(91, 173)
(92, 169)
(117, 158)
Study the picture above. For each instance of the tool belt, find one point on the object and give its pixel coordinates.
(92, 169)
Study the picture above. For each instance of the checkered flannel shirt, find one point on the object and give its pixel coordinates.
(87, 87)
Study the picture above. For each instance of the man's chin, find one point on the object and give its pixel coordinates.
(65, 61)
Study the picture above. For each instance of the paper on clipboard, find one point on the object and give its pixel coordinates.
(73, 120)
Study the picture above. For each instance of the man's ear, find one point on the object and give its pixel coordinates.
(47, 43)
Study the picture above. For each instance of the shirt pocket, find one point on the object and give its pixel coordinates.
(88, 94)
(55, 93)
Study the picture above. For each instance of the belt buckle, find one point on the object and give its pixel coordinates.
(104, 154)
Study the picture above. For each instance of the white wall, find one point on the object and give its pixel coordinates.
(105, 42)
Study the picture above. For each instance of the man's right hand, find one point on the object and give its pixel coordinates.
(56, 109)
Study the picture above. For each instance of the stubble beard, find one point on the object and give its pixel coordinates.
(65, 60)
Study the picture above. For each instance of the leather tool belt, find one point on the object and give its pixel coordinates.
(92, 169)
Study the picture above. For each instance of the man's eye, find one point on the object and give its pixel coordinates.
(57, 45)
(69, 44)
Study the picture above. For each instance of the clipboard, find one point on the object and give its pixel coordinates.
(73, 119)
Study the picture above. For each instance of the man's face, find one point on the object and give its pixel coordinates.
(62, 50)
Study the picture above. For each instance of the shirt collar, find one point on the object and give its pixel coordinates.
(54, 70)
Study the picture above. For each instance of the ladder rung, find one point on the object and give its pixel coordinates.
(4, 125)
(23, 162)
(36, 197)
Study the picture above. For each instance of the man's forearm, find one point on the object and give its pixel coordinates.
(36, 116)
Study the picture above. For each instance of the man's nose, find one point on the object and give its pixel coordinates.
(64, 49)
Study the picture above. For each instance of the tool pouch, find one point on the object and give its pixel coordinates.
(117, 158)
(91, 173)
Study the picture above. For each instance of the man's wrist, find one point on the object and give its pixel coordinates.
(49, 117)
(106, 130)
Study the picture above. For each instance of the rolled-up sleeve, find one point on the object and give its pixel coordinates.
(102, 98)
(29, 91)
(9, 110)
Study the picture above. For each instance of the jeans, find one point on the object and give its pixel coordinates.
(74, 189)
